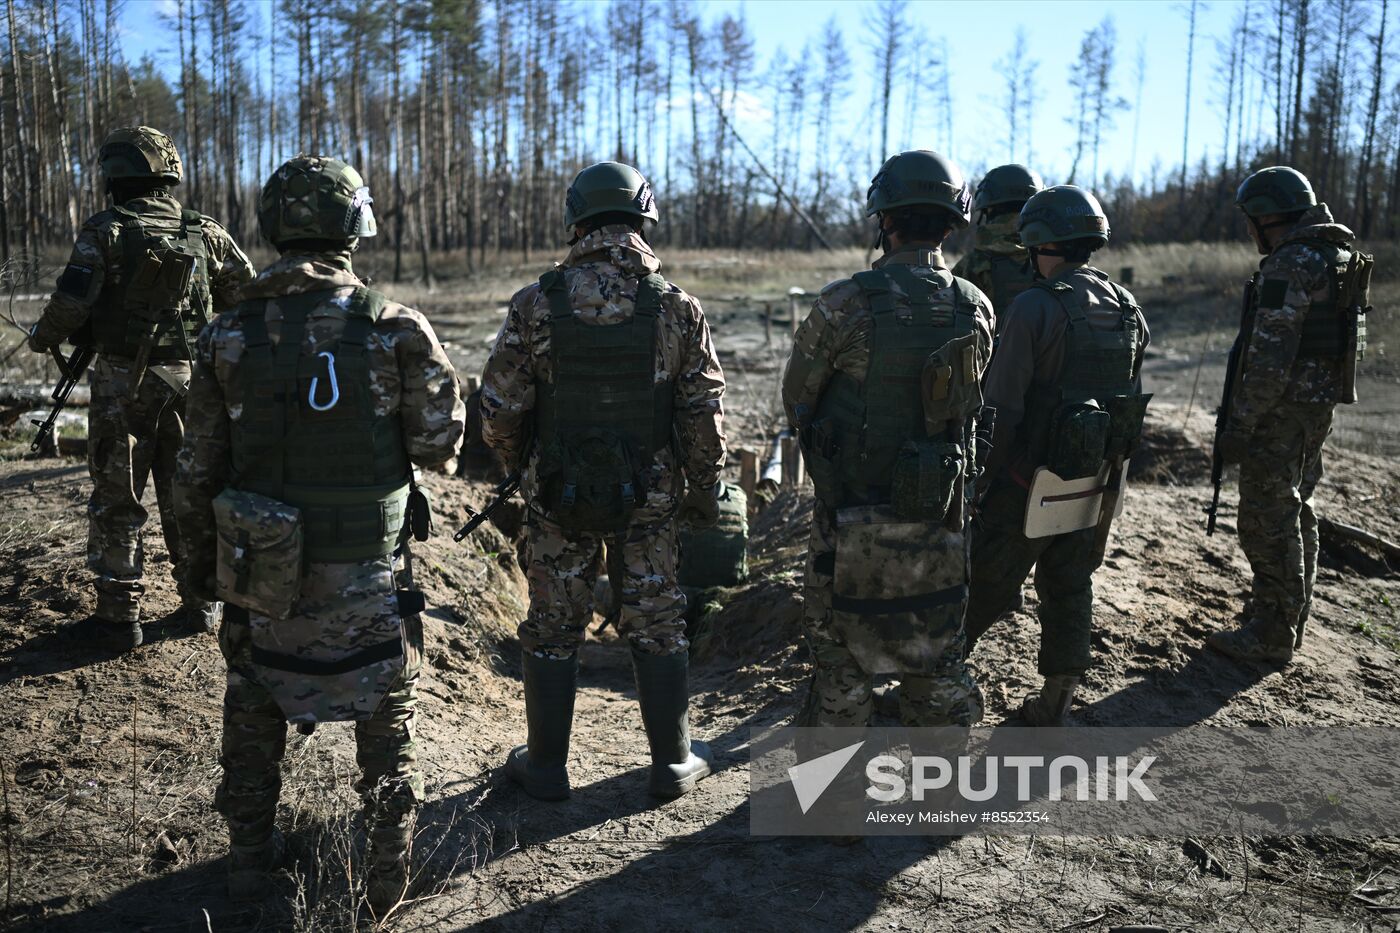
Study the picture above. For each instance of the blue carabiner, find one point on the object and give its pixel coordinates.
(335, 386)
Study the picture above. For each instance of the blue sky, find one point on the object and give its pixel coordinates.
(978, 33)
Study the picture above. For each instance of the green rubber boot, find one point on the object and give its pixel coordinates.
(677, 763)
(540, 766)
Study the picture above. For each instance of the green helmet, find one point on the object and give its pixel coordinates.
(606, 188)
(1275, 190)
(140, 152)
(919, 177)
(1061, 214)
(315, 198)
(1006, 184)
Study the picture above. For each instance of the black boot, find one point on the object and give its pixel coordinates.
(677, 763)
(540, 765)
(105, 637)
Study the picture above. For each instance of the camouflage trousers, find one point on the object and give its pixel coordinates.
(255, 738)
(562, 570)
(937, 690)
(1277, 527)
(129, 439)
(1002, 558)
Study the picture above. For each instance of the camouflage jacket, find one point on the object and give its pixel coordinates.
(998, 237)
(602, 271)
(1031, 351)
(1273, 371)
(836, 334)
(96, 264)
(409, 374)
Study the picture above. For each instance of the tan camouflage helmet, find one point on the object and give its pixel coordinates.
(315, 198)
(140, 152)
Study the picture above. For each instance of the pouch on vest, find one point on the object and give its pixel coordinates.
(1126, 414)
(718, 556)
(1078, 439)
(819, 452)
(925, 479)
(951, 384)
(899, 590)
(260, 550)
(591, 482)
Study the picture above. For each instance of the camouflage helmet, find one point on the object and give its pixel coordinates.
(1275, 190)
(140, 152)
(1061, 214)
(919, 178)
(1006, 184)
(315, 198)
(606, 188)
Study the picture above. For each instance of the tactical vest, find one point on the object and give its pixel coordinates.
(605, 416)
(131, 317)
(1093, 411)
(309, 435)
(1327, 331)
(1008, 277)
(861, 429)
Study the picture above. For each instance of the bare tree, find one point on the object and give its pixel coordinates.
(886, 29)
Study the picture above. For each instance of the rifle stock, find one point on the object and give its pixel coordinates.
(507, 488)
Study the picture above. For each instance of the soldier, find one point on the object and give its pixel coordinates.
(310, 404)
(998, 263)
(1065, 385)
(604, 390)
(1300, 339)
(141, 283)
(883, 389)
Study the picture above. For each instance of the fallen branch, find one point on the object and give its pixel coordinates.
(1328, 528)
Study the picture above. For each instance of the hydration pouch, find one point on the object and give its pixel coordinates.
(591, 483)
(924, 480)
(1078, 439)
(1126, 414)
(260, 551)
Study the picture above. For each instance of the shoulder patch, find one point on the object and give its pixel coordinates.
(75, 280)
(1273, 293)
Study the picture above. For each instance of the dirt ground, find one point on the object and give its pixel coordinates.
(109, 765)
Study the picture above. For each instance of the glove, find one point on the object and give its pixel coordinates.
(200, 574)
(34, 342)
(700, 507)
(1233, 444)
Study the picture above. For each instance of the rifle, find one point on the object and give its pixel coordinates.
(507, 488)
(1234, 365)
(70, 371)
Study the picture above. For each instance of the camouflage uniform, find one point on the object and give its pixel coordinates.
(351, 604)
(937, 688)
(998, 264)
(602, 272)
(1029, 363)
(1282, 414)
(131, 437)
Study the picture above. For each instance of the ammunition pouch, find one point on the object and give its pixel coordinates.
(925, 480)
(260, 553)
(591, 482)
(1078, 439)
